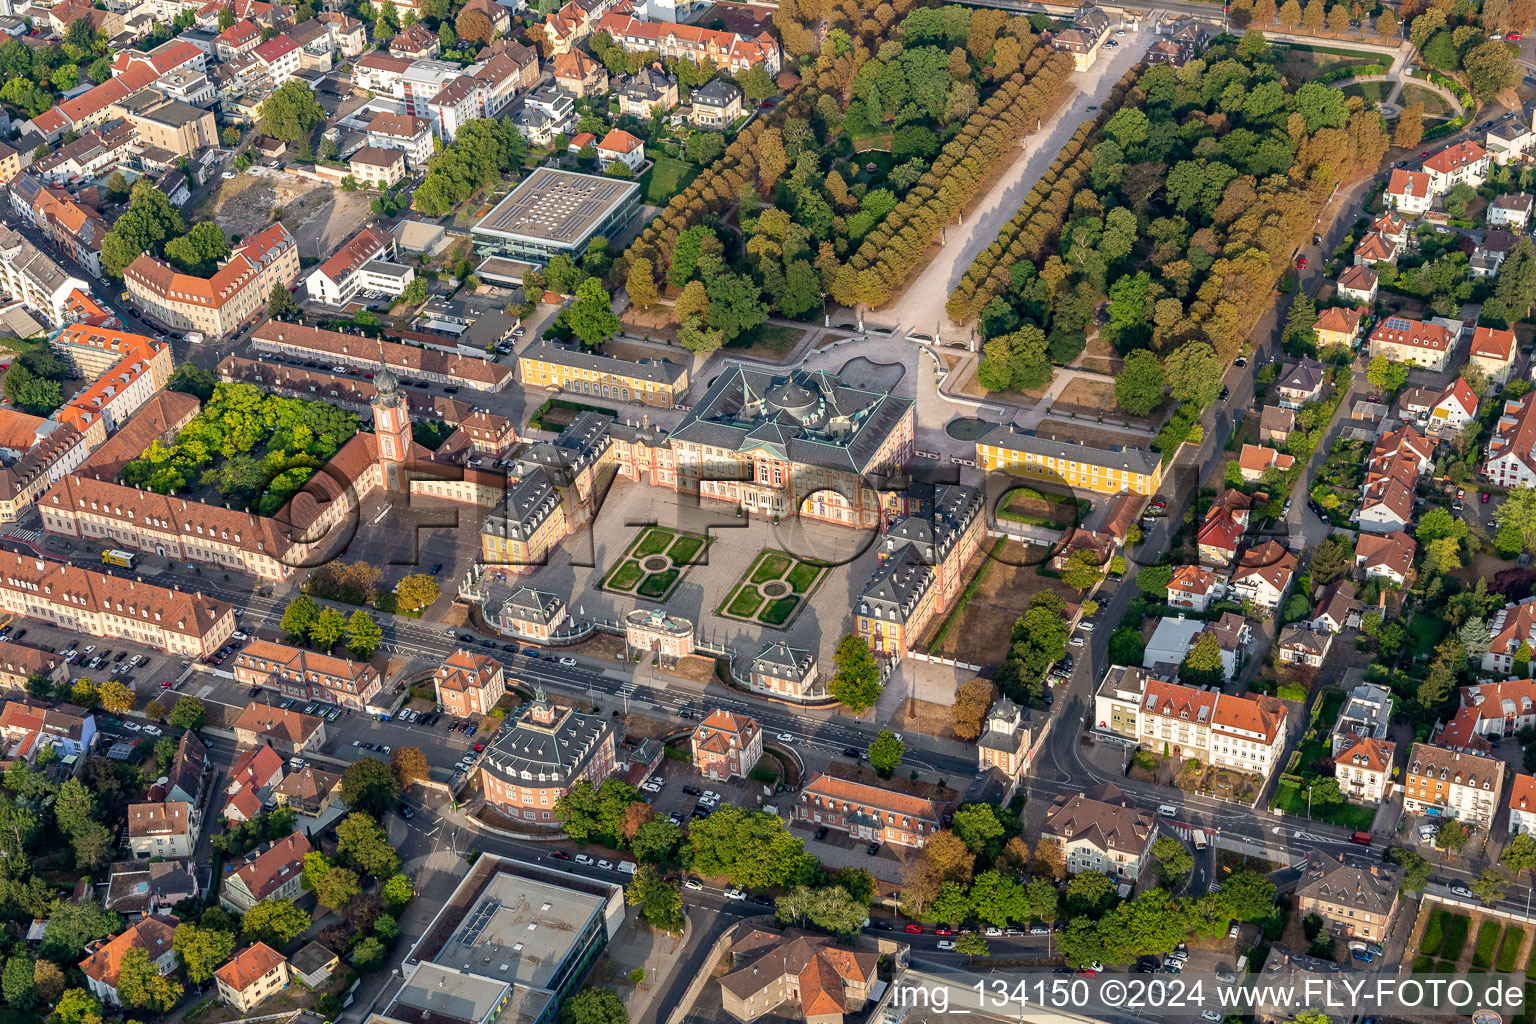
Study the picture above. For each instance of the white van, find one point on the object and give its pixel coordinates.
(1168, 810)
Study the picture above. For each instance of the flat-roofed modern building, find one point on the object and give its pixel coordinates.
(512, 941)
(556, 212)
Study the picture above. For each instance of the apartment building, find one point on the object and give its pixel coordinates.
(1357, 284)
(1115, 470)
(287, 732)
(273, 873)
(307, 675)
(76, 227)
(236, 293)
(1493, 352)
(1522, 805)
(658, 382)
(32, 278)
(868, 813)
(1456, 784)
(410, 135)
(1246, 733)
(280, 57)
(726, 746)
(1511, 453)
(469, 684)
(1356, 900)
(1195, 587)
(1428, 346)
(186, 624)
(1464, 162)
(1101, 830)
(1363, 768)
(1263, 575)
(172, 125)
(350, 269)
(821, 981)
(333, 348)
(726, 50)
(103, 964)
(166, 830)
(380, 168)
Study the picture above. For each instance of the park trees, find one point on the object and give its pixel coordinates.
(1140, 384)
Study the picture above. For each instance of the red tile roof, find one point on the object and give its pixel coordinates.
(249, 966)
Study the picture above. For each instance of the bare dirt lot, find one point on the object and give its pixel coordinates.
(981, 631)
(321, 217)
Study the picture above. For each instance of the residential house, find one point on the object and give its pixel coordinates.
(287, 732)
(618, 146)
(1464, 785)
(251, 778)
(1301, 383)
(1499, 709)
(188, 769)
(1336, 609)
(274, 872)
(1511, 458)
(27, 726)
(1356, 900)
(581, 74)
(1454, 409)
(1522, 805)
(868, 813)
(1511, 210)
(1375, 248)
(1508, 142)
(167, 829)
(1363, 767)
(1461, 163)
(1173, 637)
(1392, 227)
(250, 976)
(153, 934)
(1100, 830)
(411, 135)
(416, 43)
(1254, 461)
(1392, 473)
(1195, 587)
(137, 889)
(1491, 252)
(716, 105)
(1002, 751)
(469, 684)
(1357, 284)
(726, 746)
(1493, 352)
(378, 168)
(1264, 574)
(1386, 555)
(1245, 733)
(645, 91)
(1338, 325)
(1276, 424)
(1410, 192)
(1221, 535)
(313, 964)
(308, 791)
(1299, 644)
(823, 981)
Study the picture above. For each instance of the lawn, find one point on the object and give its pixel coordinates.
(666, 178)
(625, 576)
(1424, 633)
(1292, 799)
(772, 341)
(557, 414)
(759, 595)
(745, 604)
(1487, 943)
(1434, 933)
(631, 574)
(1371, 92)
(777, 613)
(1509, 948)
(1435, 105)
(1456, 928)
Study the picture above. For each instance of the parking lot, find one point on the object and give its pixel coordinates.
(142, 669)
(682, 790)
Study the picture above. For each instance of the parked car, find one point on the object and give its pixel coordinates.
(821, 833)
(560, 855)
(913, 929)
(584, 860)
(735, 894)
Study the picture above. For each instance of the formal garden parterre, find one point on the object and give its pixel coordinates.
(773, 589)
(654, 562)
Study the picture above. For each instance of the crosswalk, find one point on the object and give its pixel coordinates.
(21, 534)
(627, 690)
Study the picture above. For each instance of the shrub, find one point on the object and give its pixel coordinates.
(1487, 943)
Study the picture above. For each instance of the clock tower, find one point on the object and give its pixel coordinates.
(391, 425)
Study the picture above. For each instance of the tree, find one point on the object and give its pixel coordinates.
(191, 379)
(1519, 853)
(361, 843)
(117, 698)
(281, 302)
(16, 983)
(1490, 885)
(594, 1006)
(188, 713)
(363, 634)
(754, 849)
(591, 315)
(885, 752)
(1451, 836)
(398, 891)
(369, 785)
(473, 26)
(1246, 896)
(299, 618)
(1410, 126)
(693, 302)
(275, 922)
(416, 591)
(1194, 373)
(1490, 68)
(335, 887)
(1332, 559)
(85, 693)
(735, 305)
(972, 700)
(48, 982)
(202, 950)
(368, 955)
(1415, 867)
(1083, 569)
(1174, 861)
(856, 680)
(979, 829)
(144, 227)
(660, 901)
(1386, 24)
(1140, 384)
(641, 284)
(1516, 519)
(410, 766)
(329, 625)
(140, 986)
(1386, 374)
(1202, 665)
(1089, 893)
(199, 251)
(291, 112)
(77, 1006)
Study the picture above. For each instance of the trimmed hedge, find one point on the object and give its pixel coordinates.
(1509, 948)
(1487, 944)
(1456, 928)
